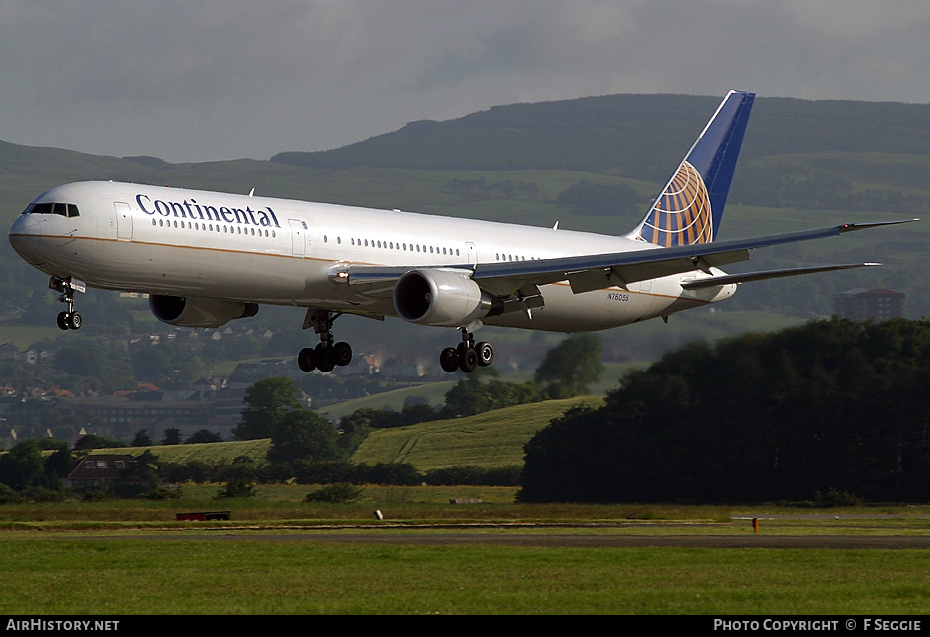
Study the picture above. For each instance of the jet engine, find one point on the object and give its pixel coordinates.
(442, 298)
(196, 312)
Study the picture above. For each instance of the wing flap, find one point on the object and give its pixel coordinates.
(622, 275)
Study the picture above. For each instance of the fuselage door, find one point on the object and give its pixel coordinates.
(298, 237)
(472, 253)
(123, 219)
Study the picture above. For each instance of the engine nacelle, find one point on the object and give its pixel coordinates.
(442, 298)
(196, 312)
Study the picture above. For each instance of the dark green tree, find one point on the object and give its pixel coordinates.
(22, 465)
(203, 435)
(303, 435)
(140, 476)
(58, 464)
(266, 404)
(241, 468)
(239, 488)
(353, 430)
(336, 493)
(570, 367)
(94, 441)
(171, 436)
(141, 439)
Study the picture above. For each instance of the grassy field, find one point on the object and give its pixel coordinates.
(208, 452)
(278, 555)
(66, 576)
(433, 392)
(493, 439)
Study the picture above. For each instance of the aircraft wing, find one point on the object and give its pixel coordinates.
(592, 272)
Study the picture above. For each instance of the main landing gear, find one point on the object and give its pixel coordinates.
(327, 355)
(468, 356)
(69, 319)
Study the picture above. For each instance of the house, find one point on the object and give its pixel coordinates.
(93, 469)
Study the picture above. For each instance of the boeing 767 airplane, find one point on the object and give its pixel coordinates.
(205, 258)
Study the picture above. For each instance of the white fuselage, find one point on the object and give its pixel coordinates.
(190, 243)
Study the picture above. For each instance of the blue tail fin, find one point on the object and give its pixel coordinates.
(691, 205)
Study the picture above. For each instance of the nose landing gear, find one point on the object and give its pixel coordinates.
(69, 319)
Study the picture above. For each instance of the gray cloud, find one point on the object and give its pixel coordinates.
(227, 79)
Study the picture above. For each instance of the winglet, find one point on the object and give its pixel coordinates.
(691, 205)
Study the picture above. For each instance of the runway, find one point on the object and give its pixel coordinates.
(561, 540)
(883, 533)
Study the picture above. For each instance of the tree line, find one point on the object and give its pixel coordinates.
(832, 406)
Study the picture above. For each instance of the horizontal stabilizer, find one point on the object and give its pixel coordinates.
(714, 281)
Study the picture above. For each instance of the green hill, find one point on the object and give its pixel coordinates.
(635, 135)
(490, 440)
(210, 453)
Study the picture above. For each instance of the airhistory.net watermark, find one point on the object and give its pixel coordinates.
(37, 624)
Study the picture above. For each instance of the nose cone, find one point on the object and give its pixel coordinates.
(25, 234)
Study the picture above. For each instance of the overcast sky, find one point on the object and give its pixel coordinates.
(226, 79)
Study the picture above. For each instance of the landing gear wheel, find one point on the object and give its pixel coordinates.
(325, 358)
(69, 321)
(485, 353)
(342, 353)
(306, 359)
(449, 360)
(326, 355)
(468, 359)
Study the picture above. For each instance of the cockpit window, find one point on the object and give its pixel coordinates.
(38, 209)
(63, 209)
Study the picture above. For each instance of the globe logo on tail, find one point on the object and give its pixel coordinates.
(681, 215)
